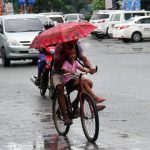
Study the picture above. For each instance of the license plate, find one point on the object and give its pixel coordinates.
(31, 51)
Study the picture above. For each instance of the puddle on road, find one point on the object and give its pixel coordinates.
(50, 142)
(124, 135)
(55, 142)
(137, 49)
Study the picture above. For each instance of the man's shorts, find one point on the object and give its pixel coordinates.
(70, 85)
(57, 79)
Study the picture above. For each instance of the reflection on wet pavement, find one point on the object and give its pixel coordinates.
(50, 142)
(53, 142)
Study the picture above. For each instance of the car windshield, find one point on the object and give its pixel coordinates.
(100, 16)
(43, 19)
(57, 19)
(130, 20)
(71, 17)
(23, 25)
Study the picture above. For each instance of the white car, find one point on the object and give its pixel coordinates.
(121, 16)
(74, 17)
(57, 19)
(100, 19)
(16, 34)
(47, 22)
(135, 29)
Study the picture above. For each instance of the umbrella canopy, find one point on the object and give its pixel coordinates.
(62, 33)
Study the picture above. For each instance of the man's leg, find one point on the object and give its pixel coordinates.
(41, 66)
(61, 99)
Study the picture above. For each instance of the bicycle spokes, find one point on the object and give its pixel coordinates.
(58, 119)
(89, 118)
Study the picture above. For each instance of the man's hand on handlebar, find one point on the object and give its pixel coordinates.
(93, 70)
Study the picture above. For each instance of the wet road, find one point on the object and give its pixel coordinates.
(123, 79)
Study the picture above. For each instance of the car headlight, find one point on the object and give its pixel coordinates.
(13, 42)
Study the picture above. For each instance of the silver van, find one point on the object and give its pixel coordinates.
(16, 34)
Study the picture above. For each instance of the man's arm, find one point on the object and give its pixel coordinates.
(84, 59)
(87, 64)
(83, 69)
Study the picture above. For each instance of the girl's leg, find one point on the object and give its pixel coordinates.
(87, 87)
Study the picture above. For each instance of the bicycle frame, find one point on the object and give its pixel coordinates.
(73, 109)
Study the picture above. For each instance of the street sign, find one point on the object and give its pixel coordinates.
(108, 4)
(9, 8)
(131, 5)
(136, 5)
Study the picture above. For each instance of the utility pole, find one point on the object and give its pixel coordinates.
(25, 7)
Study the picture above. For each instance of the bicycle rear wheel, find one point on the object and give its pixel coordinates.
(42, 91)
(89, 117)
(51, 91)
(58, 118)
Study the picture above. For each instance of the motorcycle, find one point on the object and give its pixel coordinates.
(45, 81)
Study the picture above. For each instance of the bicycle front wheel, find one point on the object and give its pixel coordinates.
(89, 117)
(58, 118)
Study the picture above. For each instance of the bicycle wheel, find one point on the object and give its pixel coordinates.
(42, 91)
(51, 91)
(89, 117)
(58, 119)
(42, 87)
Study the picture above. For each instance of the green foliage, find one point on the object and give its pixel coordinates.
(98, 4)
(65, 6)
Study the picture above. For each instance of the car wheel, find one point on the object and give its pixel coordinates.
(99, 36)
(35, 61)
(107, 34)
(5, 60)
(136, 37)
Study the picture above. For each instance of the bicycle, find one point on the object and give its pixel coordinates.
(87, 112)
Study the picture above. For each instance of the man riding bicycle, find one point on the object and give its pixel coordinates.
(61, 52)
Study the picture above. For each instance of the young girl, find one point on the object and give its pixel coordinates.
(71, 65)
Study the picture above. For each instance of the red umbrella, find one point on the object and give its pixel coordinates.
(62, 33)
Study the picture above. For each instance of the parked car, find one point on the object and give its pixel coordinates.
(100, 20)
(74, 17)
(120, 16)
(135, 29)
(16, 34)
(56, 18)
(47, 22)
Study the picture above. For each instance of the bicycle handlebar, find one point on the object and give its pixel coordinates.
(96, 68)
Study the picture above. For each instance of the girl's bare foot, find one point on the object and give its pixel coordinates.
(99, 99)
(100, 107)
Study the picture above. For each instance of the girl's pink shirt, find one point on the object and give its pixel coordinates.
(70, 67)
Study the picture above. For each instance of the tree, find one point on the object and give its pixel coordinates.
(64, 6)
(98, 4)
